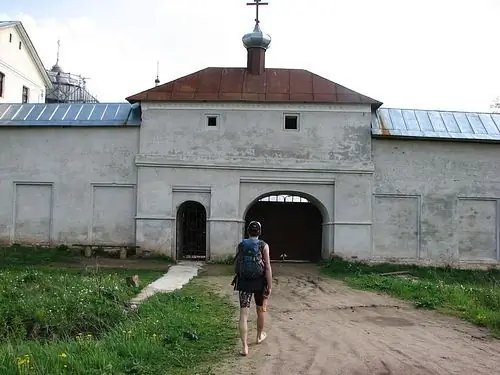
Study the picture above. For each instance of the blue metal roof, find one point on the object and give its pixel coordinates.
(70, 114)
(410, 123)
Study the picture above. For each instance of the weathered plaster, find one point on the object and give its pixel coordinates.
(73, 161)
(437, 178)
(380, 199)
(248, 155)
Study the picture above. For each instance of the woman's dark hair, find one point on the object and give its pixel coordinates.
(254, 228)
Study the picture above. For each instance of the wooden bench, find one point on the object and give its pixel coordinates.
(89, 249)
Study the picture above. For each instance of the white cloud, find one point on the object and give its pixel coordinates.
(420, 54)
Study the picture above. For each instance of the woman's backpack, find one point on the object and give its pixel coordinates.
(249, 261)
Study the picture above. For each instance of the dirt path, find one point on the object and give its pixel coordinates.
(319, 326)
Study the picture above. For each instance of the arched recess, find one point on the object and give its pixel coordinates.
(191, 231)
(292, 224)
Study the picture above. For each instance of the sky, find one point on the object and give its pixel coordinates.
(425, 54)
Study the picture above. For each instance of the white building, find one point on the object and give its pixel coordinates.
(182, 169)
(23, 78)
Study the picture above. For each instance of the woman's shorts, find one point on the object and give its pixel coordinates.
(246, 298)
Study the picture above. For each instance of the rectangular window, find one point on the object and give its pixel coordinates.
(212, 120)
(2, 83)
(19, 45)
(291, 122)
(26, 94)
(10, 38)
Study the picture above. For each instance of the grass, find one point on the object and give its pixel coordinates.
(73, 321)
(228, 260)
(473, 295)
(22, 256)
(158, 257)
(19, 255)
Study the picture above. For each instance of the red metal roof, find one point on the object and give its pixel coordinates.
(237, 85)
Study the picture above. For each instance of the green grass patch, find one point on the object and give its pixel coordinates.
(44, 304)
(470, 294)
(227, 260)
(21, 256)
(70, 321)
(157, 257)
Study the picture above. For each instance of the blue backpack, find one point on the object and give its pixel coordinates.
(249, 261)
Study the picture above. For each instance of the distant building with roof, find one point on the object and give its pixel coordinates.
(23, 78)
(67, 87)
(184, 166)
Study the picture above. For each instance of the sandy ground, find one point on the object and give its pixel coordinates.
(320, 326)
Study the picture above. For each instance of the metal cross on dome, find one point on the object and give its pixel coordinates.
(257, 3)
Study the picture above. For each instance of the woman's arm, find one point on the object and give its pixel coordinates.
(269, 272)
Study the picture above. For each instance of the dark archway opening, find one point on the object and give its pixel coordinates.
(291, 225)
(191, 231)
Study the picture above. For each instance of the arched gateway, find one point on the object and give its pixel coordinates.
(292, 225)
(191, 231)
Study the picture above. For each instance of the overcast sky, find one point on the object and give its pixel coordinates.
(434, 54)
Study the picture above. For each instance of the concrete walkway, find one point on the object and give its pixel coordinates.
(176, 277)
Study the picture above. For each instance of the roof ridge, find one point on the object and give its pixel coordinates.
(439, 110)
(307, 87)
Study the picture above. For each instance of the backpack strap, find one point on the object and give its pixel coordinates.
(238, 252)
(237, 257)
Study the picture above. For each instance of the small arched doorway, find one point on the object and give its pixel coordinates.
(291, 225)
(191, 231)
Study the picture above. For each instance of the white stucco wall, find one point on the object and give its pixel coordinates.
(247, 155)
(329, 135)
(436, 200)
(379, 198)
(67, 185)
(19, 69)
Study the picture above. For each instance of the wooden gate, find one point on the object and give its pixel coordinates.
(291, 228)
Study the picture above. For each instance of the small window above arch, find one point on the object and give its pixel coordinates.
(285, 198)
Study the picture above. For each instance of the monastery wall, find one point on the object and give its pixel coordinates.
(327, 135)
(67, 184)
(246, 156)
(436, 200)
